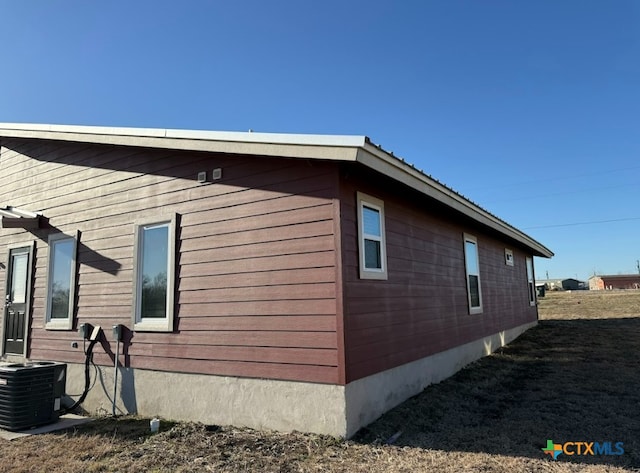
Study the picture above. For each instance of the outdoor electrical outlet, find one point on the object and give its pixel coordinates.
(83, 330)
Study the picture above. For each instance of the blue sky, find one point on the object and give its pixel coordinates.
(529, 108)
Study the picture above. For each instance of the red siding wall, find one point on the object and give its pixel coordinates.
(421, 309)
(256, 280)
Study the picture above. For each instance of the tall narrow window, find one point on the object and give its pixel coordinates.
(531, 281)
(61, 282)
(154, 276)
(472, 265)
(372, 250)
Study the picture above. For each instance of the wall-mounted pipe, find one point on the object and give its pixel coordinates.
(117, 334)
(93, 339)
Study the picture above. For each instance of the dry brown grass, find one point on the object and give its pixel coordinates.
(573, 305)
(574, 377)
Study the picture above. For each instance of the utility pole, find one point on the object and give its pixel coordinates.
(547, 274)
(638, 265)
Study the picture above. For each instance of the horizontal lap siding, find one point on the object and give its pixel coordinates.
(256, 261)
(421, 309)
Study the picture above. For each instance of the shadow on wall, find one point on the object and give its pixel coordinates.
(89, 257)
(565, 380)
(117, 164)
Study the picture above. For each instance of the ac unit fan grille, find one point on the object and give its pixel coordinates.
(28, 394)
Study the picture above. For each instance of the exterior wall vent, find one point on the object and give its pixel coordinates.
(31, 394)
(217, 174)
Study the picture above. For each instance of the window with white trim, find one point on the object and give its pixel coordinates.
(472, 269)
(531, 282)
(508, 257)
(154, 276)
(61, 282)
(372, 250)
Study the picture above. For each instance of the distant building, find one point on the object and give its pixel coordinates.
(616, 281)
(561, 284)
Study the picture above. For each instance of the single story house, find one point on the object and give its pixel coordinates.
(275, 281)
(614, 281)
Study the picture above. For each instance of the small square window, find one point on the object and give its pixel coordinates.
(508, 257)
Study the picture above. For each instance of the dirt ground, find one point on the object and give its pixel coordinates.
(574, 377)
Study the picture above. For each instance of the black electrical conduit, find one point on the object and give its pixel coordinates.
(87, 377)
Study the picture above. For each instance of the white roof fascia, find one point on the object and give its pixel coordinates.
(323, 147)
(283, 138)
(379, 160)
(328, 147)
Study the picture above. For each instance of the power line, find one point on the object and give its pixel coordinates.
(593, 222)
(556, 194)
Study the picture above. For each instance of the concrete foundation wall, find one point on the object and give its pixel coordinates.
(272, 404)
(368, 398)
(220, 400)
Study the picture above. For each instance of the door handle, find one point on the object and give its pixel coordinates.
(8, 302)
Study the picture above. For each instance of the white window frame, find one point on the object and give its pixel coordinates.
(472, 239)
(508, 257)
(154, 324)
(531, 283)
(59, 323)
(364, 200)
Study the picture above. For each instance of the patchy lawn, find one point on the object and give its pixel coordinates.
(575, 377)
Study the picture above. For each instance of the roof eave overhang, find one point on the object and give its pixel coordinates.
(379, 160)
(321, 147)
(337, 148)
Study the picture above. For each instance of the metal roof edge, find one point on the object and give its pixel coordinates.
(327, 147)
(205, 135)
(377, 158)
(324, 147)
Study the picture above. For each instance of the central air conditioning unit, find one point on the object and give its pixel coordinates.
(31, 394)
